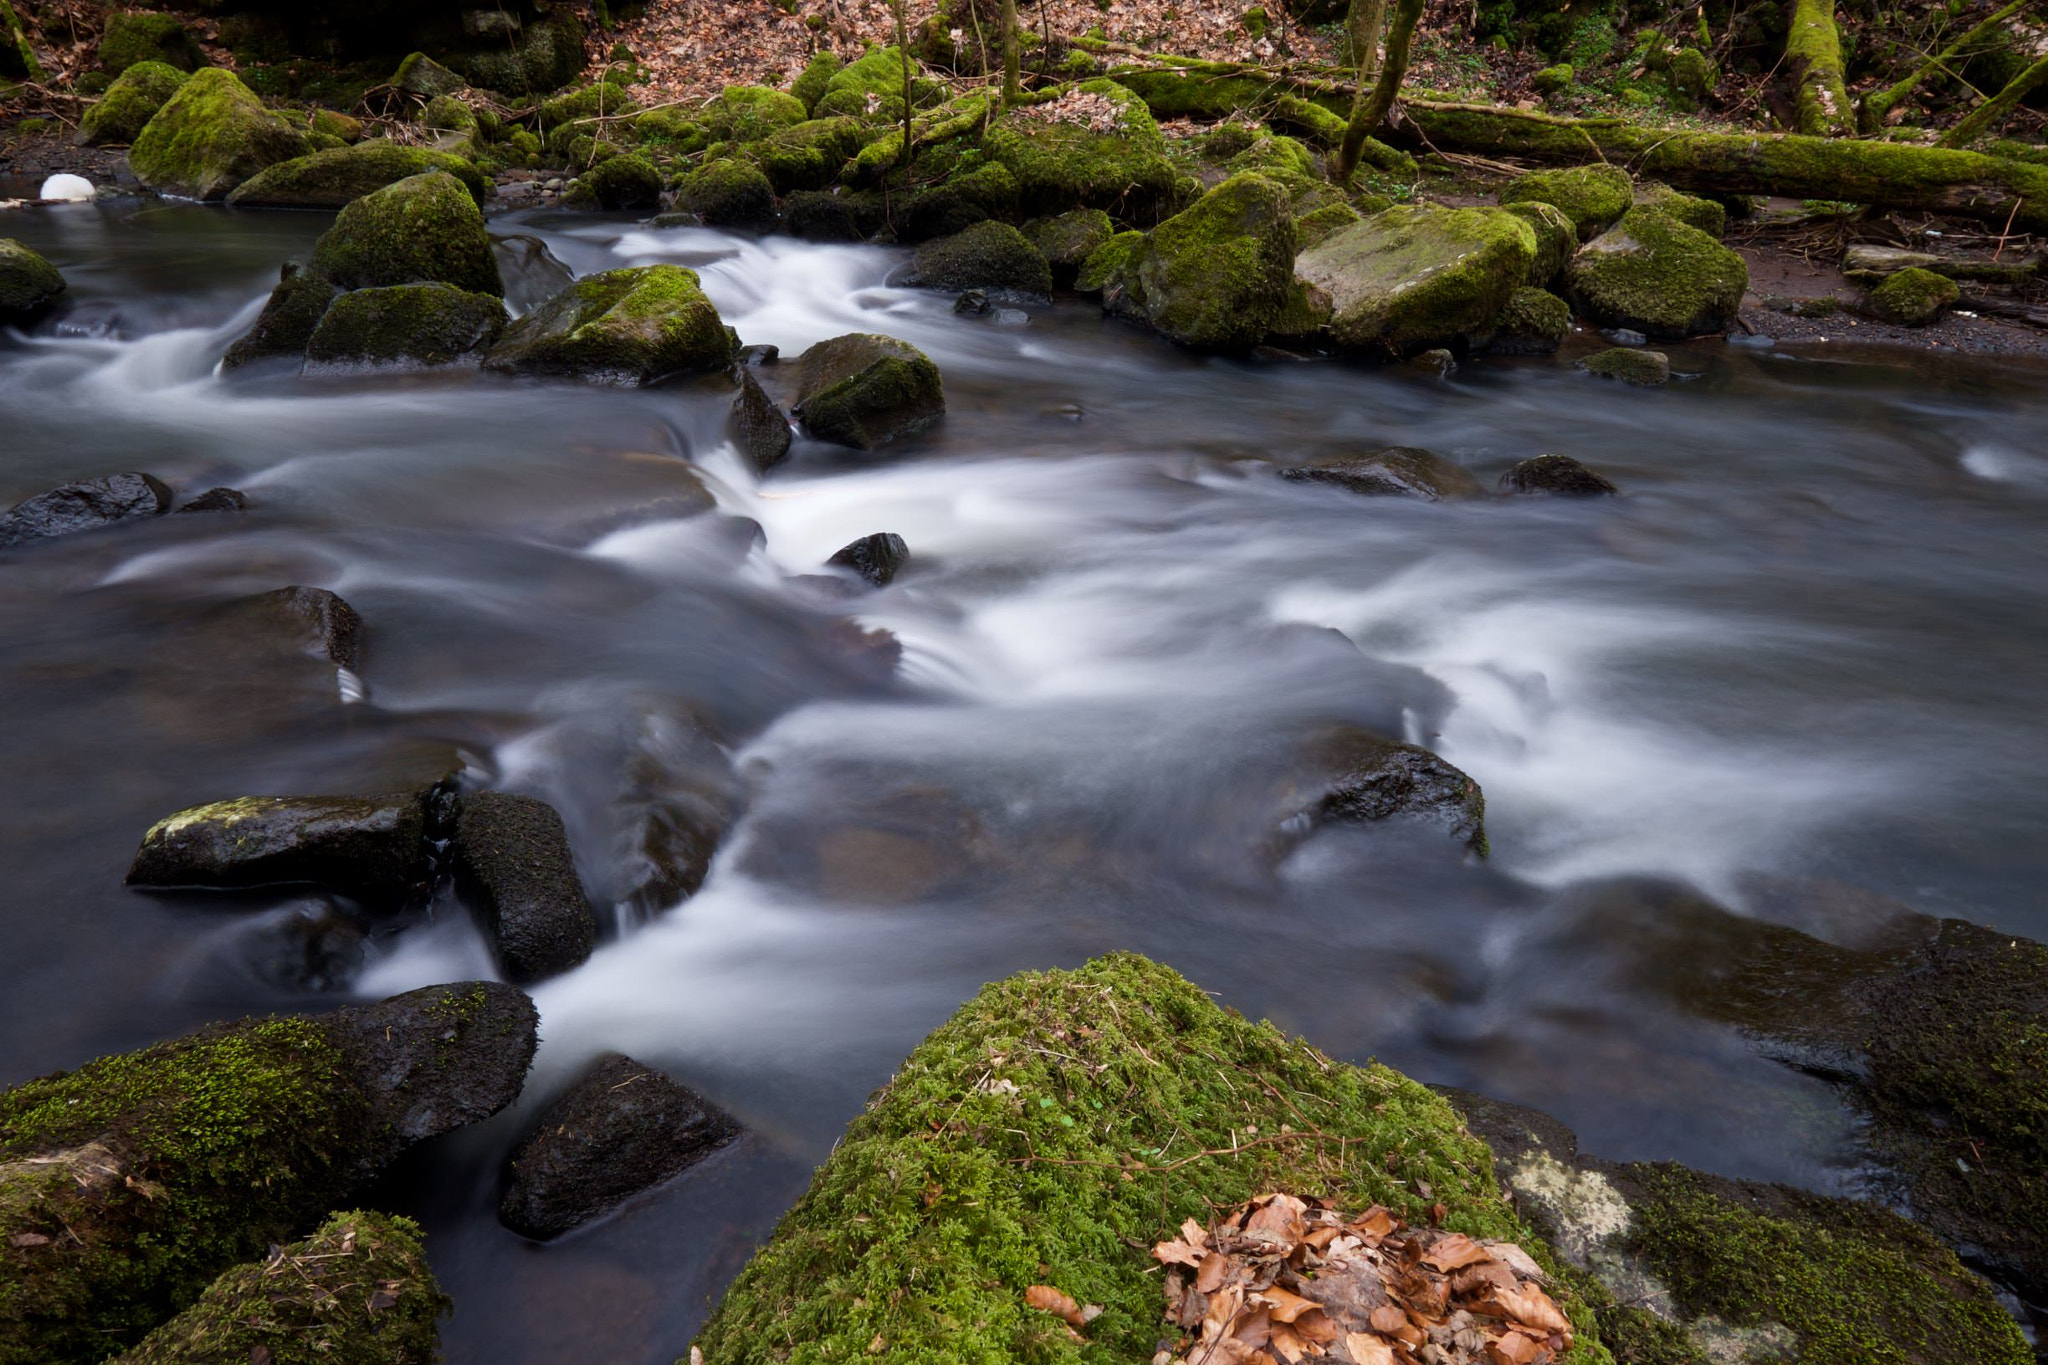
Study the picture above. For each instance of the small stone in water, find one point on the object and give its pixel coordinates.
(70, 188)
(1624, 336)
(973, 304)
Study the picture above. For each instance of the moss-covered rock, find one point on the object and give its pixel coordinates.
(1692, 76)
(626, 327)
(1912, 298)
(816, 77)
(1591, 196)
(619, 182)
(288, 319)
(835, 215)
(422, 229)
(1556, 239)
(405, 326)
(958, 203)
(129, 104)
(1533, 322)
(1553, 81)
(1096, 147)
(581, 107)
(356, 1292)
(1645, 369)
(17, 54)
(1313, 228)
(424, 78)
(1042, 1136)
(29, 285)
(133, 36)
(210, 136)
(811, 155)
(546, 54)
(993, 257)
(747, 113)
(337, 177)
(864, 390)
(336, 125)
(728, 193)
(1215, 276)
(1107, 262)
(873, 87)
(1705, 214)
(1654, 274)
(1415, 277)
(1068, 240)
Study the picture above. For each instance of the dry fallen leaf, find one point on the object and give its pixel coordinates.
(1387, 1320)
(1285, 1306)
(1455, 1250)
(1368, 1350)
(1049, 1300)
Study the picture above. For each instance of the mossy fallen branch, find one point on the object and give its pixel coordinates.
(1877, 106)
(1991, 115)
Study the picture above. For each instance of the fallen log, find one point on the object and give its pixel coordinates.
(1886, 174)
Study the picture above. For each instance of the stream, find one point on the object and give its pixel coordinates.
(1796, 671)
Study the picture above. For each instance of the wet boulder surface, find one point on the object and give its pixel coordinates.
(621, 1128)
(990, 256)
(1350, 775)
(423, 229)
(873, 559)
(1556, 476)
(512, 856)
(1216, 276)
(89, 505)
(29, 285)
(212, 134)
(370, 847)
(1415, 277)
(405, 327)
(759, 427)
(289, 318)
(626, 328)
(1396, 472)
(865, 390)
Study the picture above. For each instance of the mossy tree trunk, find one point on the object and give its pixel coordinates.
(1013, 85)
(1813, 55)
(1373, 103)
(1878, 105)
(1991, 115)
(1362, 24)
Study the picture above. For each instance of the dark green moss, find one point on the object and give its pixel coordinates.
(1705, 214)
(406, 325)
(17, 55)
(810, 155)
(811, 84)
(865, 390)
(624, 327)
(582, 108)
(209, 137)
(28, 283)
(1912, 297)
(728, 193)
(129, 104)
(619, 182)
(286, 324)
(337, 177)
(1534, 322)
(747, 113)
(1107, 261)
(1218, 275)
(1645, 369)
(420, 229)
(1067, 241)
(1415, 277)
(872, 86)
(1553, 80)
(548, 54)
(962, 200)
(133, 36)
(991, 256)
(1591, 196)
(1061, 164)
(1658, 276)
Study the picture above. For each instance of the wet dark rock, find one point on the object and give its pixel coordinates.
(759, 428)
(833, 215)
(1644, 369)
(370, 847)
(287, 322)
(1557, 475)
(1399, 471)
(864, 390)
(875, 558)
(621, 1129)
(973, 304)
(759, 354)
(407, 327)
(1362, 777)
(532, 273)
(313, 944)
(512, 855)
(326, 624)
(218, 500)
(1438, 363)
(88, 505)
(989, 256)
(435, 1059)
(626, 328)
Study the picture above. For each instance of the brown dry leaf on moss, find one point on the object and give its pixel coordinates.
(1283, 1280)
(1046, 1299)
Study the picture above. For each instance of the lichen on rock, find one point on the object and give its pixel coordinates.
(1418, 276)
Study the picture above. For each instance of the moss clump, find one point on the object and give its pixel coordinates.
(1060, 164)
(864, 390)
(410, 326)
(423, 228)
(1415, 277)
(1051, 1131)
(873, 87)
(728, 193)
(962, 200)
(1591, 196)
(1645, 369)
(448, 114)
(1704, 214)
(339, 176)
(209, 137)
(29, 285)
(1322, 223)
(127, 1185)
(286, 324)
(619, 182)
(139, 36)
(747, 113)
(811, 84)
(1553, 81)
(829, 216)
(356, 1292)
(811, 155)
(624, 327)
(1534, 322)
(349, 130)
(1912, 298)
(547, 55)
(1652, 273)
(991, 256)
(1067, 241)
(129, 104)
(582, 108)
(1556, 239)
(1217, 276)
(1107, 262)
(1692, 77)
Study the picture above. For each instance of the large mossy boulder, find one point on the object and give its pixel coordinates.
(1215, 276)
(1041, 1137)
(1067, 240)
(747, 113)
(1096, 146)
(990, 256)
(1534, 322)
(289, 317)
(728, 193)
(407, 327)
(1591, 196)
(360, 1293)
(29, 285)
(1556, 239)
(864, 390)
(1653, 274)
(132, 37)
(339, 176)
(128, 1185)
(619, 182)
(1418, 276)
(129, 104)
(627, 327)
(811, 155)
(872, 86)
(422, 229)
(209, 137)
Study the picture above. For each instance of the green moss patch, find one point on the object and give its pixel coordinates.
(1653, 273)
(1645, 369)
(728, 193)
(1095, 147)
(337, 177)
(619, 182)
(989, 255)
(1591, 196)
(865, 390)
(209, 137)
(1912, 297)
(409, 326)
(623, 327)
(421, 229)
(129, 104)
(1216, 276)
(143, 36)
(28, 283)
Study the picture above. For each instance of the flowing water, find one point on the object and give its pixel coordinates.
(1798, 671)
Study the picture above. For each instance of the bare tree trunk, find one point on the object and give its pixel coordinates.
(1372, 105)
(1991, 115)
(1013, 86)
(1362, 24)
(1879, 103)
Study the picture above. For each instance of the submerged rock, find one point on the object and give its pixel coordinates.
(1218, 275)
(1591, 196)
(1418, 276)
(865, 390)
(339, 176)
(1912, 297)
(288, 320)
(29, 285)
(1361, 777)
(512, 855)
(990, 256)
(423, 229)
(1556, 475)
(628, 327)
(210, 136)
(321, 622)
(622, 1128)
(370, 847)
(759, 428)
(362, 1292)
(1398, 471)
(405, 326)
(874, 558)
(218, 500)
(88, 505)
(129, 104)
(1653, 274)
(1645, 369)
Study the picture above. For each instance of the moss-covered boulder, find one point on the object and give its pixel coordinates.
(810, 155)
(129, 104)
(1107, 262)
(1653, 274)
(1215, 276)
(958, 203)
(811, 83)
(1317, 225)
(209, 137)
(1553, 81)
(405, 326)
(619, 182)
(1591, 196)
(356, 1292)
(294, 309)
(335, 124)
(1556, 476)
(1705, 214)
(1096, 146)
(133, 36)
(424, 228)
(1418, 276)
(1534, 322)
(1041, 1137)
(29, 285)
(1069, 239)
(424, 78)
(337, 177)
(728, 193)
(626, 328)
(747, 113)
(583, 107)
(993, 257)
(864, 390)
(873, 87)
(128, 1185)
(1556, 239)
(1631, 365)
(1912, 298)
